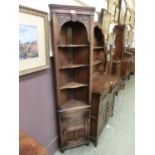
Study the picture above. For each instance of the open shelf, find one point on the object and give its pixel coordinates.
(74, 104)
(70, 66)
(98, 47)
(96, 62)
(72, 46)
(72, 85)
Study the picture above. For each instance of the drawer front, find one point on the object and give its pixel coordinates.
(74, 127)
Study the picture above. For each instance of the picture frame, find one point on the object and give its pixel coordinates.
(116, 14)
(116, 2)
(105, 20)
(132, 20)
(33, 40)
(128, 16)
(111, 7)
(123, 12)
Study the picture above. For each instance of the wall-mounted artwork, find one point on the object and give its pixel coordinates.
(122, 12)
(28, 43)
(105, 20)
(128, 16)
(116, 14)
(132, 20)
(33, 40)
(111, 6)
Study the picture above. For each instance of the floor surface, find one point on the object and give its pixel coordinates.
(118, 136)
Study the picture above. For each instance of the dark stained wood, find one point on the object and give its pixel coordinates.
(72, 36)
(72, 85)
(72, 46)
(99, 51)
(123, 63)
(104, 91)
(104, 87)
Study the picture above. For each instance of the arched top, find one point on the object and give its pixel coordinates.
(73, 33)
(99, 39)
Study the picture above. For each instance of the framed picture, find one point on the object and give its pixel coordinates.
(111, 6)
(116, 14)
(116, 2)
(122, 12)
(105, 22)
(127, 19)
(33, 40)
(132, 19)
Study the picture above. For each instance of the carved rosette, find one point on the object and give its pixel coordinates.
(63, 18)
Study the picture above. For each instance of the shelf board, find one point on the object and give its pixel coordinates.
(73, 105)
(95, 62)
(72, 85)
(72, 46)
(98, 47)
(69, 66)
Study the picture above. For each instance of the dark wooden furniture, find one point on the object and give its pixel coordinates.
(99, 52)
(118, 60)
(104, 91)
(132, 51)
(72, 32)
(104, 86)
(123, 62)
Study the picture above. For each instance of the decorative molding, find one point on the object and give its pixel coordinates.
(63, 18)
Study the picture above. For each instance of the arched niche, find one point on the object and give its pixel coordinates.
(73, 33)
(98, 36)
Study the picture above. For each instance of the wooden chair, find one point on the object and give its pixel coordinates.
(29, 146)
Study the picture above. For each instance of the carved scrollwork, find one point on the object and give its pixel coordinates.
(63, 18)
(86, 21)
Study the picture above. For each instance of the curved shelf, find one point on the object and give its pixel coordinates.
(96, 62)
(73, 104)
(72, 85)
(98, 47)
(70, 66)
(73, 46)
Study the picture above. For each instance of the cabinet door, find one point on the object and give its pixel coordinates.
(110, 106)
(102, 113)
(75, 127)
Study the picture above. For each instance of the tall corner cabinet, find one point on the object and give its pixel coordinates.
(104, 87)
(72, 30)
(119, 53)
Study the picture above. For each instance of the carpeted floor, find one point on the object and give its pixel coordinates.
(118, 136)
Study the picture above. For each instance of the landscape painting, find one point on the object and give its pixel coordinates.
(28, 44)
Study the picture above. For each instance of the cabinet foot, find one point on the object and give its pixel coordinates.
(87, 144)
(95, 144)
(61, 150)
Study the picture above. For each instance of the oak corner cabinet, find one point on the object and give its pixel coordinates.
(71, 29)
(119, 54)
(123, 63)
(104, 87)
